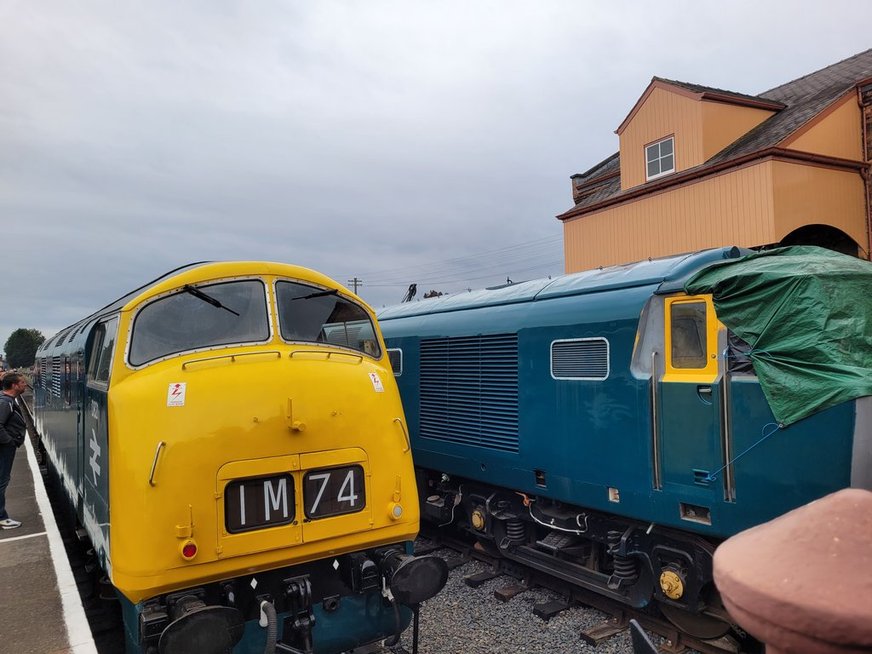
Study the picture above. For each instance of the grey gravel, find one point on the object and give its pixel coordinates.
(464, 620)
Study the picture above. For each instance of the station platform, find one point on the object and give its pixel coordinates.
(40, 608)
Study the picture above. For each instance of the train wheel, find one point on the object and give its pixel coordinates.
(698, 625)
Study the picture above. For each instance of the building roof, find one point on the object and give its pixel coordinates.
(711, 91)
(796, 103)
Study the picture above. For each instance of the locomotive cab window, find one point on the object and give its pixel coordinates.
(101, 351)
(691, 339)
(198, 317)
(315, 315)
(688, 335)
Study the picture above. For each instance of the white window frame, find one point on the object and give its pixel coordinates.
(210, 348)
(578, 340)
(395, 349)
(659, 158)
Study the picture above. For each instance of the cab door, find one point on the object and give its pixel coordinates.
(93, 483)
(690, 407)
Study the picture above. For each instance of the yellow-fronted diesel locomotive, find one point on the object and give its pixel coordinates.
(233, 442)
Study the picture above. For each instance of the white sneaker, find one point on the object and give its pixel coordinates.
(9, 523)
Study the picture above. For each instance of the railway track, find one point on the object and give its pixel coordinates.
(104, 614)
(674, 640)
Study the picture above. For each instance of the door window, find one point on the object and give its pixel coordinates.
(101, 351)
(691, 339)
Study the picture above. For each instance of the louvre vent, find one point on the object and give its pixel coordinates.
(395, 356)
(469, 390)
(56, 376)
(583, 358)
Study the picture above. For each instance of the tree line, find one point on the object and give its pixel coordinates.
(21, 347)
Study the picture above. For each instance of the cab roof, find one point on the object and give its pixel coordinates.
(190, 273)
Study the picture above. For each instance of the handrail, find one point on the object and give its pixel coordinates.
(157, 452)
(232, 357)
(727, 431)
(327, 354)
(405, 435)
(655, 427)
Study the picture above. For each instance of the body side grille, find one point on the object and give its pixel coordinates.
(469, 390)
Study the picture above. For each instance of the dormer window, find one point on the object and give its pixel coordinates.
(659, 159)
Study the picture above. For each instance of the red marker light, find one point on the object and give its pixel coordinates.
(189, 551)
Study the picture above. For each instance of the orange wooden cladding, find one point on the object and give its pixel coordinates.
(754, 205)
(837, 134)
(813, 195)
(701, 130)
(722, 124)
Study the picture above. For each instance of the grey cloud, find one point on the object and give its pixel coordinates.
(369, 139)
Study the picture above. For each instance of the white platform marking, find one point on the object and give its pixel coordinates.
(78, 630)
(12, 540)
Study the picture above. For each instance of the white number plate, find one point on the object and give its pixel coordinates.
(269, 501)
(333, 491)
(260, 502)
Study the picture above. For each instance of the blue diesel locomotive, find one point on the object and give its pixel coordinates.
(611, 427)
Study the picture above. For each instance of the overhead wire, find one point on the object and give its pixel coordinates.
(475, 267)
(463, 279)
(496, 259)
(477, 272)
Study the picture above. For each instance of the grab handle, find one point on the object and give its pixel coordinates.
(405, 434)
(157, 452)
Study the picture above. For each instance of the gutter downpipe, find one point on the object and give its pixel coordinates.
(864, 172)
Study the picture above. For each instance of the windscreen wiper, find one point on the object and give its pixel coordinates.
(206, 298)
(332, 291)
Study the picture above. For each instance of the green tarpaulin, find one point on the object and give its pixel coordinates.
(806, 312)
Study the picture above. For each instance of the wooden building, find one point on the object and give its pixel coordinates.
(700, 167)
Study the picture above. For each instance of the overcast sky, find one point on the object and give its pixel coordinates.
(396, 142)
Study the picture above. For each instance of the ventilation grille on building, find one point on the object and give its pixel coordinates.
(583, 358)
(469, 390)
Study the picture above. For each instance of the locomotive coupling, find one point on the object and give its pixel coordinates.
(413, 579)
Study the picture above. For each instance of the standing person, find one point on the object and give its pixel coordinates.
(12, 432)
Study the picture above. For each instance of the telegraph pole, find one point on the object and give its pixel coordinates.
(355, 283)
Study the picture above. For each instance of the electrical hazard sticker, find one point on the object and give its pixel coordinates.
(376, 382)
(176, 394)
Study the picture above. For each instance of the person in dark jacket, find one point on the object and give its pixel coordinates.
(12, 432)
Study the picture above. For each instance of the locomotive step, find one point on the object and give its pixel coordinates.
(555, 541)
